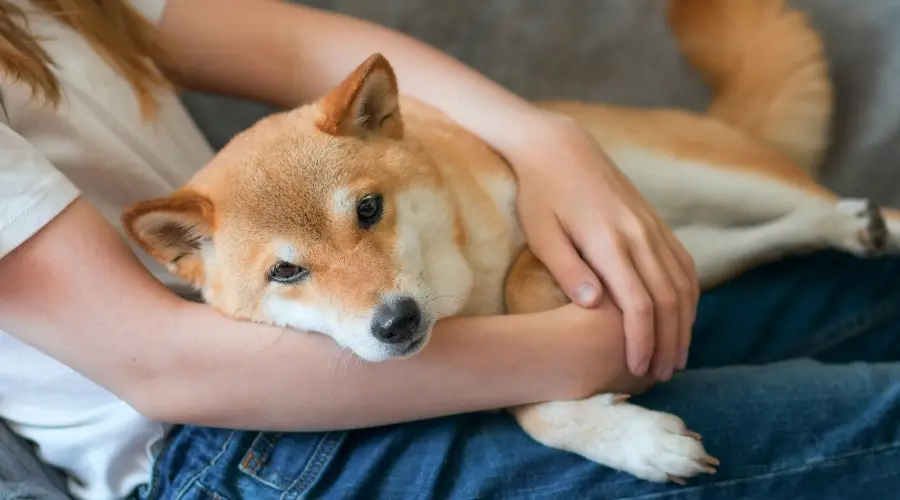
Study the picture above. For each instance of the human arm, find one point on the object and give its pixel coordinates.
(101, 313)
(574, 202)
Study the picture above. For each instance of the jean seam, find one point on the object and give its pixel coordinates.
(854, 327)
(256, 456)
(832, 460)
(195, 481)
(323, 453)
(214, 495)
(152, 487)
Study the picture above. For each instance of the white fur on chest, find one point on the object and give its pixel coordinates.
(494, 239)
(430, 260)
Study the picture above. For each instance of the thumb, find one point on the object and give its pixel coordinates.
(577, 280)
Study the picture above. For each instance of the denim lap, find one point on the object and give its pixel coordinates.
(760, 426)
(796, 429)
(829, 306)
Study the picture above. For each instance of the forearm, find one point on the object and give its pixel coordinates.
(301, 381)
(108, 319)
(218, 45)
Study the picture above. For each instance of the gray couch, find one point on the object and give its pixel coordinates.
(618, 51)
(621, 51)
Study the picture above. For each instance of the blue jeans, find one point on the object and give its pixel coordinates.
(793, 381)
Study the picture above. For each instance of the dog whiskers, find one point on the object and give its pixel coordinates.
(340, 357)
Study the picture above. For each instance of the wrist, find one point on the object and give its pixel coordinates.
(593, 341)
(512, 357)
(537, 137)
(515, 359)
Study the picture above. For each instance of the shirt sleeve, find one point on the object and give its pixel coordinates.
(32, 190)
(151, 9)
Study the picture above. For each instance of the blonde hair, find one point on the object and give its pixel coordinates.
(118, 32)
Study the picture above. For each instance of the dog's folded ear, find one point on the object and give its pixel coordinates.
(174, 231)
(365, 104)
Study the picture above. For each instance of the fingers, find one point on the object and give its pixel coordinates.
(630, 385)
(652, 278)
(575, 277)
(613, 261)
(654, 262)
(683, 285)
(688, 288)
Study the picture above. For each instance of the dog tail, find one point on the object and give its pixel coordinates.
(767, 69)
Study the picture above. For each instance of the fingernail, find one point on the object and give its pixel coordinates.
(642, 367)
(585, 293)
(682, 359)
(664, 373)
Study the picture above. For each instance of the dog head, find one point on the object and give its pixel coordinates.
(326, 218)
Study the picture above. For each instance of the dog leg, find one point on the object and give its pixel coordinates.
(855, 226)
(651, 445)
(604, 428)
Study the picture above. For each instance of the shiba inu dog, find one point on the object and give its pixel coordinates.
(368, 216)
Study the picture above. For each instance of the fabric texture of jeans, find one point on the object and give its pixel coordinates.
(821, 419)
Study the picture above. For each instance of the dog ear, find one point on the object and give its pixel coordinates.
(173, 230)
(365, 104)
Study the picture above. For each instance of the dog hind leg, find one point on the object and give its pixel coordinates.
(855, 226)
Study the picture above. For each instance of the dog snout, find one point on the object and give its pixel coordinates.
(397, 321)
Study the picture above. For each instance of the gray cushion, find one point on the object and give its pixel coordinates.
(22, 475)
(621, 51)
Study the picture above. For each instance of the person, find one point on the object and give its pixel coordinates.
(135, 391)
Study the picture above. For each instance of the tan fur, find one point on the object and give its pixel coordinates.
(182, 220)
(742, 48)
(339, 114)
(530, 286)
(734, 184)
(685, 135)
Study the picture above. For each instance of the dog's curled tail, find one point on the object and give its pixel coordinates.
(767, 69)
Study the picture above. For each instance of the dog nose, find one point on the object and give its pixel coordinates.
(396, 321)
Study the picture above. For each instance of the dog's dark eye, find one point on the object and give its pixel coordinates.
(285, 272)
(369, 210)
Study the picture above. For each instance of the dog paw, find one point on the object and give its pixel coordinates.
(606, 429)
(650, 445)
(658, 447)
(861, 227)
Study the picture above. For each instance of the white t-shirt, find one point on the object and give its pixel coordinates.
(95, 144)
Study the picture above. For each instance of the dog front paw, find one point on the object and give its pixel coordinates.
(651, 445)
(605, 429)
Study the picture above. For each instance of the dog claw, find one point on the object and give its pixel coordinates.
(872, 236)
(875, 235)
(676, 479)
(692, 434)
(621, 398)
(878, 231)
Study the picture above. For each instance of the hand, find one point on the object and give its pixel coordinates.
(583, 218)
(594, 357)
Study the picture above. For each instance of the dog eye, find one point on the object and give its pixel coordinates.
(285, 272)
(369, 210)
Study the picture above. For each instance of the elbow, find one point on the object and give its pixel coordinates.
(183, 397)
(163, 397)
(170, 405)
(154, 401)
